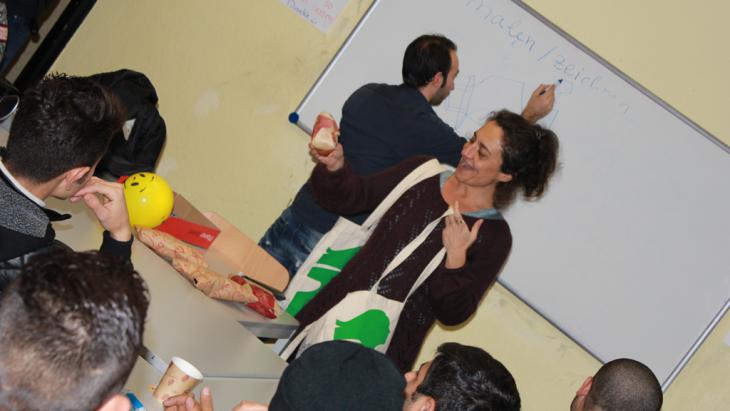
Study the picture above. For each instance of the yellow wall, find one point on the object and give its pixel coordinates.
(229, 71)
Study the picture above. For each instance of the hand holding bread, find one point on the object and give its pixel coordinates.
(324, 134)
(324, 147)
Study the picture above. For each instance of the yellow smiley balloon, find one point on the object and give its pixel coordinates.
(149, 199)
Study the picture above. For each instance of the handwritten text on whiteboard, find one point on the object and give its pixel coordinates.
(321, 13)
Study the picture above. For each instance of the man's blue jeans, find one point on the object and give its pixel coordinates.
(18, 37)
(289, 241)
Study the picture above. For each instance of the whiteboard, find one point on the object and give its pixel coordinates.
(628, 253)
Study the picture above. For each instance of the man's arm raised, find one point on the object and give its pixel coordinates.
(540, 103)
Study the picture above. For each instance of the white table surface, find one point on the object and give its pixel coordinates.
(227, 392)
(282, 326)
(181, 321)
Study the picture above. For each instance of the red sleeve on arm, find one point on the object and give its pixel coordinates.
(344, 192)
(455, 293)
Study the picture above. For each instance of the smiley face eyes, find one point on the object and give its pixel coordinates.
(138, 179)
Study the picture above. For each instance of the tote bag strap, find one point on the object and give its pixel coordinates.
(430, 268)
(428, 169)
(294, 343)
(406, 251)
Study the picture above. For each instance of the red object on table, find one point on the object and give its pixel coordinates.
(266, 301)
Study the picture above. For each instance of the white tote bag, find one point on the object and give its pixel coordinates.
(343, 241)
(367, 317)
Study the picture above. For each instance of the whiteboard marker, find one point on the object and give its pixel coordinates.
(557, 83)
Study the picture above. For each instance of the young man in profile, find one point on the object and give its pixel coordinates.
(461, 378)
(60, 132)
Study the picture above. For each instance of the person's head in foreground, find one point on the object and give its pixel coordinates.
(461, 378)
(620, 385)
(61, 130)
(332, 375)
(70, 330)
(508, 155)
(339, 375)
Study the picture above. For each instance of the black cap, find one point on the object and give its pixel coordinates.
(340, 375)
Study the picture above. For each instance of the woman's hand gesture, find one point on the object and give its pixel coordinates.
(457, 238)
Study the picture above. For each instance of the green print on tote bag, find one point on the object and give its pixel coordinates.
(337, 247)
(370, 328)
(365, 316)
(325, 269)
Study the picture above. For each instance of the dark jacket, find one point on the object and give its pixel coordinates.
(9, 269)
(382, 125)
(26, 231)
(140, 150)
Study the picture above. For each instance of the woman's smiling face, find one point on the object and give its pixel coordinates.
(481, 158)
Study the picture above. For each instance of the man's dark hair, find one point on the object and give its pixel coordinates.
(467, 378)
(625, 384)
(426, 56)
(71, 328)
(62, 123)
(529, 155)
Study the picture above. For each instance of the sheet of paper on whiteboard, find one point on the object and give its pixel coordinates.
(321, 13)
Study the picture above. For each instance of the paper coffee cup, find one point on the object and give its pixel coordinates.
(179, 378)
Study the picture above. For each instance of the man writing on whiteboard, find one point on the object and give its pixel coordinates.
(381, 126)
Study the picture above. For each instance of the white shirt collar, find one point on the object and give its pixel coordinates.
(20, 187)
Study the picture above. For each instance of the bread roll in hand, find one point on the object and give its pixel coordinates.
(324, 134)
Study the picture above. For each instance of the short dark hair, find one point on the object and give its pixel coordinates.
(467, 378)
(625, 384)
(424, 57)
(71, 328)
(62, 123)
(529, 155)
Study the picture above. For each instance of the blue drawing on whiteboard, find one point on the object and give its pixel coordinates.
(474, 99)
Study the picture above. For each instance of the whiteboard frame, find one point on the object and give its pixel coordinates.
(633, 83)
